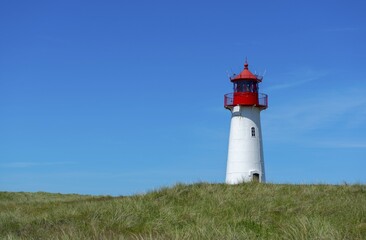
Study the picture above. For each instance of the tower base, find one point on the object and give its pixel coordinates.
(245, 155)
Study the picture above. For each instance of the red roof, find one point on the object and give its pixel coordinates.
(245, 75)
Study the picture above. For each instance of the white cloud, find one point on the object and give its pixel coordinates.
(328, 110)
(34, 164)
(341, 144)
(342, 29)
(297, 78)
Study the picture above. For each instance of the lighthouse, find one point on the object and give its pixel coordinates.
(245, 160)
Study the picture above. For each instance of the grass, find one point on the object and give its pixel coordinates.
(198, 211)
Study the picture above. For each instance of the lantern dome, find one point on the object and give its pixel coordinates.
(246, 75)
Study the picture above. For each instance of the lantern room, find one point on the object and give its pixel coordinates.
(246, 86)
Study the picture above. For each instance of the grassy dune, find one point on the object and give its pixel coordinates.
(199, 211)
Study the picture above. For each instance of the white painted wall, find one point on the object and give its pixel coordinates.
(245, 153)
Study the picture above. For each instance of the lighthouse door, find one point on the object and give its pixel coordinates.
(255, 177)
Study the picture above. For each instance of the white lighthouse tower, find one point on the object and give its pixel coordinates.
(245, 154)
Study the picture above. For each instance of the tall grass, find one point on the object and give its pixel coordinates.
(198, 211)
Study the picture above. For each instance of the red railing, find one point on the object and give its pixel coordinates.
(246, 99)
(228, 99)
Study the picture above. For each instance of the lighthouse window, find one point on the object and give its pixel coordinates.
(255, 87)
(253, 132)
(239, 87)
(249, 87)
(246, 86)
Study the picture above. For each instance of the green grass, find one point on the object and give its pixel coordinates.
(198, 211)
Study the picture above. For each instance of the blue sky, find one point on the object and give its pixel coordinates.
(122, 97)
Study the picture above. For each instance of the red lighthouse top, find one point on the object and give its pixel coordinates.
(246, 85)
(246, 75)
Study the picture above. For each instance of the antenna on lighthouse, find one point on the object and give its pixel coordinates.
(228, 74)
